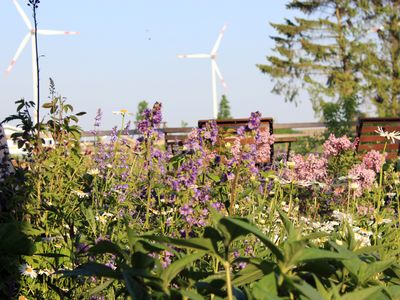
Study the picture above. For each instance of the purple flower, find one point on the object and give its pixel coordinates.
(186, 210)
(166, 259)
(240, 131)
(254, 121)
(217, 205)
(82, 248)
(151, 120)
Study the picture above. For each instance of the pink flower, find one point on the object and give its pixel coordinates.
(311, 168)
(365, 178)
(263, 141)
(236, 149)
(335, 146)
(373, 160)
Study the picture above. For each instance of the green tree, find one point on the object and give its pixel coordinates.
(382, 74)
(142, 105)
(321, 53)
(224, 111)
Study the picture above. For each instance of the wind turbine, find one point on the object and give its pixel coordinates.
(214, 68)
(31, 35)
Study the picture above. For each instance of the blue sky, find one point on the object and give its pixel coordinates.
(126, 52)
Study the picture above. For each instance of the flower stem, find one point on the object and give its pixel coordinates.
(227, 266)
(233, 192)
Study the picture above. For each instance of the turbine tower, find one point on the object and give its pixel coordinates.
(31, 35)
(214, 68)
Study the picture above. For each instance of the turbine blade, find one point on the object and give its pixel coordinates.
(19, 51)
(219, 73)
(219, 39)
(56, 32)
(23, 15)
(194, 56)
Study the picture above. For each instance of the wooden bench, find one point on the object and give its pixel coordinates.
(265, 124)
(175, 136)
(369, 139)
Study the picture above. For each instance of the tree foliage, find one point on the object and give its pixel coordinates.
(224, 111)
(382, 73)
(339, 51)
(320, 52)
(142, 105)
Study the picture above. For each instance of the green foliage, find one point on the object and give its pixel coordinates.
(319, 54)
(294, 271)
(224, 111)
(142, 105)
(339, 116)
(382, 56)
(27, 138)
(60, 120)
(132, 220)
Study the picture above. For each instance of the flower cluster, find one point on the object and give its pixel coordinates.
(373, 160)
(310, 168)
(151, 120)
(335, 146)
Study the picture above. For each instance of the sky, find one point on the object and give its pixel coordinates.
(127, 51)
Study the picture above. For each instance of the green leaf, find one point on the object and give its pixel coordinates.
(191, 294)
(201, 244)
(14, 241)
(253, 272)
(104, 247)
(142, 261)
(136, 290)
(368, 271)
(93, 269)
(364, 294)
(394, 291)
(312, 254)
(47, 105)
(177, 266)
(100, 287)
(304, 288)
(231, 231)
(368, 249)
(288, 225)
(266, 288)
(88, 213)
(214, 177)
(321, 289)
(250, 228)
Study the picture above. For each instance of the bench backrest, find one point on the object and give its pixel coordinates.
(175, 136)
(231, 125)
(369, 139)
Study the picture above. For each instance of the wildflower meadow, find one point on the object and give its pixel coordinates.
(129, 217)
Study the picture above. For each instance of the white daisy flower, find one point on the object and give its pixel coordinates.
(103, 218)
(93, 172)
(122, 112)
(27, 270)
(80, 194)
(392, 136)
(46, 272)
